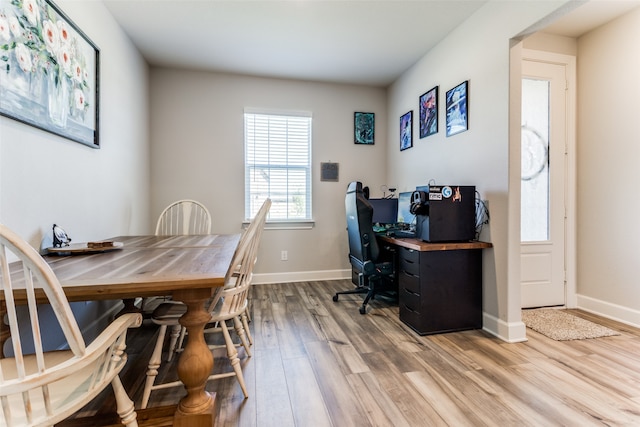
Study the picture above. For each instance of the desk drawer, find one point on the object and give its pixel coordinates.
(410, 299)
(410, 315)
(409, 281)
(410, 261)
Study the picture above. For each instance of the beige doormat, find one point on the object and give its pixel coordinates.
(562, 326)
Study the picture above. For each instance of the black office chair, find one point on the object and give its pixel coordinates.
(374, 275)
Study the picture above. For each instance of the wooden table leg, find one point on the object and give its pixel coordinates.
(196, 409)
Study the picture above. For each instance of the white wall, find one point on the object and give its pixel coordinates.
(551, 43)
(197, 151)
(608, 172)
(93, 194)
(477, 51)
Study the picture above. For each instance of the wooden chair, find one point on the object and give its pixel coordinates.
(245, 318)
(184, 217)
(229, 303)
(39, 387)
(260, 219)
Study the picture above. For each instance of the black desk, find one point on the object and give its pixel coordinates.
(439, 284)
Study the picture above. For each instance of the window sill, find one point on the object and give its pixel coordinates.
(286, 225)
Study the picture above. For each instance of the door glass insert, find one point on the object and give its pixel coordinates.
(535, 161)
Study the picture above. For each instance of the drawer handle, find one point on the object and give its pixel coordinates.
(409, 308)
(406, 273)
(411, 292)
(408, 261)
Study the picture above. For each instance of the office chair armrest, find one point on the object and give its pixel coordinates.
(367, 267)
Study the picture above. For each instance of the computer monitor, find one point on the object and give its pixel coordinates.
(404, 209)
(385, 211)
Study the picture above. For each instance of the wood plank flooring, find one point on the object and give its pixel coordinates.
(320, 363)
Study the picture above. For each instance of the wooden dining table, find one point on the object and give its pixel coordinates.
(187, 268)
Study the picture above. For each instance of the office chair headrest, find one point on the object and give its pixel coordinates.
(354, 186)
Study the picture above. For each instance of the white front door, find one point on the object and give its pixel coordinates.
(543, 184)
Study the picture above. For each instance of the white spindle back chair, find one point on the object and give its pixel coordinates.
(43, 387)
(184, 217)
(257, 223)
(228, 303)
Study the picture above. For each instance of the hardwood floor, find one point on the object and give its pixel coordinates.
(320, 363)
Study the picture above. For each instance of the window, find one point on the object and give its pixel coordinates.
(278, 165)
(534, 185)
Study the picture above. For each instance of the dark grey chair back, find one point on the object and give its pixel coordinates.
(363, 247)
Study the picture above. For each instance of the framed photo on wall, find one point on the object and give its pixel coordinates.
(457, 112)
(50, 71)
(364, 128)
(406, 130)
(429, 112)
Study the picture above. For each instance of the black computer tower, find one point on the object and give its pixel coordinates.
(446, 213)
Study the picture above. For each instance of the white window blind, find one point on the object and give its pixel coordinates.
(278, 165)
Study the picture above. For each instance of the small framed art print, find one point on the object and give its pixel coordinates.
(429, 113)
(457, 112)
(406, 131)
(364, 128)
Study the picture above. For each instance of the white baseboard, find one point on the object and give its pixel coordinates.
(511, 332)
(301, 276)
(611, 311)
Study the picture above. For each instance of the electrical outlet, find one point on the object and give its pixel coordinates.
(284, 256)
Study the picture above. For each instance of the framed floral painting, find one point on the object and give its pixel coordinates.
(49, 71)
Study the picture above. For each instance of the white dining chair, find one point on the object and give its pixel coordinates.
(229, 303)
(184, 217)
(38, 386)
(245, 318)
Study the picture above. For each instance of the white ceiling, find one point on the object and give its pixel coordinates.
(589, 16)
(357, 41)
(369, 42)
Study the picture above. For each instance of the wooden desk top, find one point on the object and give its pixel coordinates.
(422, 246)
(145, 266)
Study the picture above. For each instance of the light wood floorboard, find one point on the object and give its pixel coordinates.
(321, 363)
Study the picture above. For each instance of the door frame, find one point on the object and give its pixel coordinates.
(569, 62)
